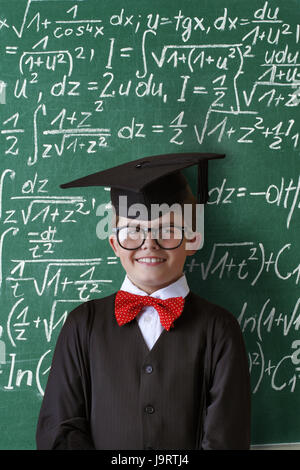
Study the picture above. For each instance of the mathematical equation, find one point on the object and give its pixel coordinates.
(84, 84)
(74, 281)
(282, 374)
(248, 262)
(53, 143)
(226, 80)
(39, 208)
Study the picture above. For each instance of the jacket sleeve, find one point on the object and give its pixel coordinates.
(64, 416)
(227, 417)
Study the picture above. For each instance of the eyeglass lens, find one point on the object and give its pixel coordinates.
(133, 237)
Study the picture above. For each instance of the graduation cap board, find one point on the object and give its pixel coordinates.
(152, 180)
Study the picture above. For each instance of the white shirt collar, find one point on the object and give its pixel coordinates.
(178, 288)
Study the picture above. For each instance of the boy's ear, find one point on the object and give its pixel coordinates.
(193, 244)
(114, 244)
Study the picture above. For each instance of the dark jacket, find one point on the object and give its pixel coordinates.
(106, 390)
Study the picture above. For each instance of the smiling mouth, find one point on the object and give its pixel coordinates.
(150, 261)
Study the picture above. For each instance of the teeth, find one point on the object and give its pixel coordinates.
(151, 260)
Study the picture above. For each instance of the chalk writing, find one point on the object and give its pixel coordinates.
(87, 85)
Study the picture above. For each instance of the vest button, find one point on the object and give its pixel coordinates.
(148, 369)
(149, 409)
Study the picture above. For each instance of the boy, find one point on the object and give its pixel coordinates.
(153, 366)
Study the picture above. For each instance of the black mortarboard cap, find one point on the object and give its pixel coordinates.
(152, 180)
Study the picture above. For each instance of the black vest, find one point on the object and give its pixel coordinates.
(106, 390)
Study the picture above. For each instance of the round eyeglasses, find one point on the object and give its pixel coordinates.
(133, 237)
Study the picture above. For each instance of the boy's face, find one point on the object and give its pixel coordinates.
(151, 267)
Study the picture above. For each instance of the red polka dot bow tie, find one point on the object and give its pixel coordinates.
(128, 306)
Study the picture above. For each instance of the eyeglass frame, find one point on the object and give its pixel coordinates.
(145, 231)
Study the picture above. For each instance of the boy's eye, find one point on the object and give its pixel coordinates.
(133, 233)
(170, 232)
(132, 228)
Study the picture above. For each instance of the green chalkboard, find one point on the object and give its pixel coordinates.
(85, 85)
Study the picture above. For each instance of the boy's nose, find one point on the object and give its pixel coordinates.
(150, 242)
